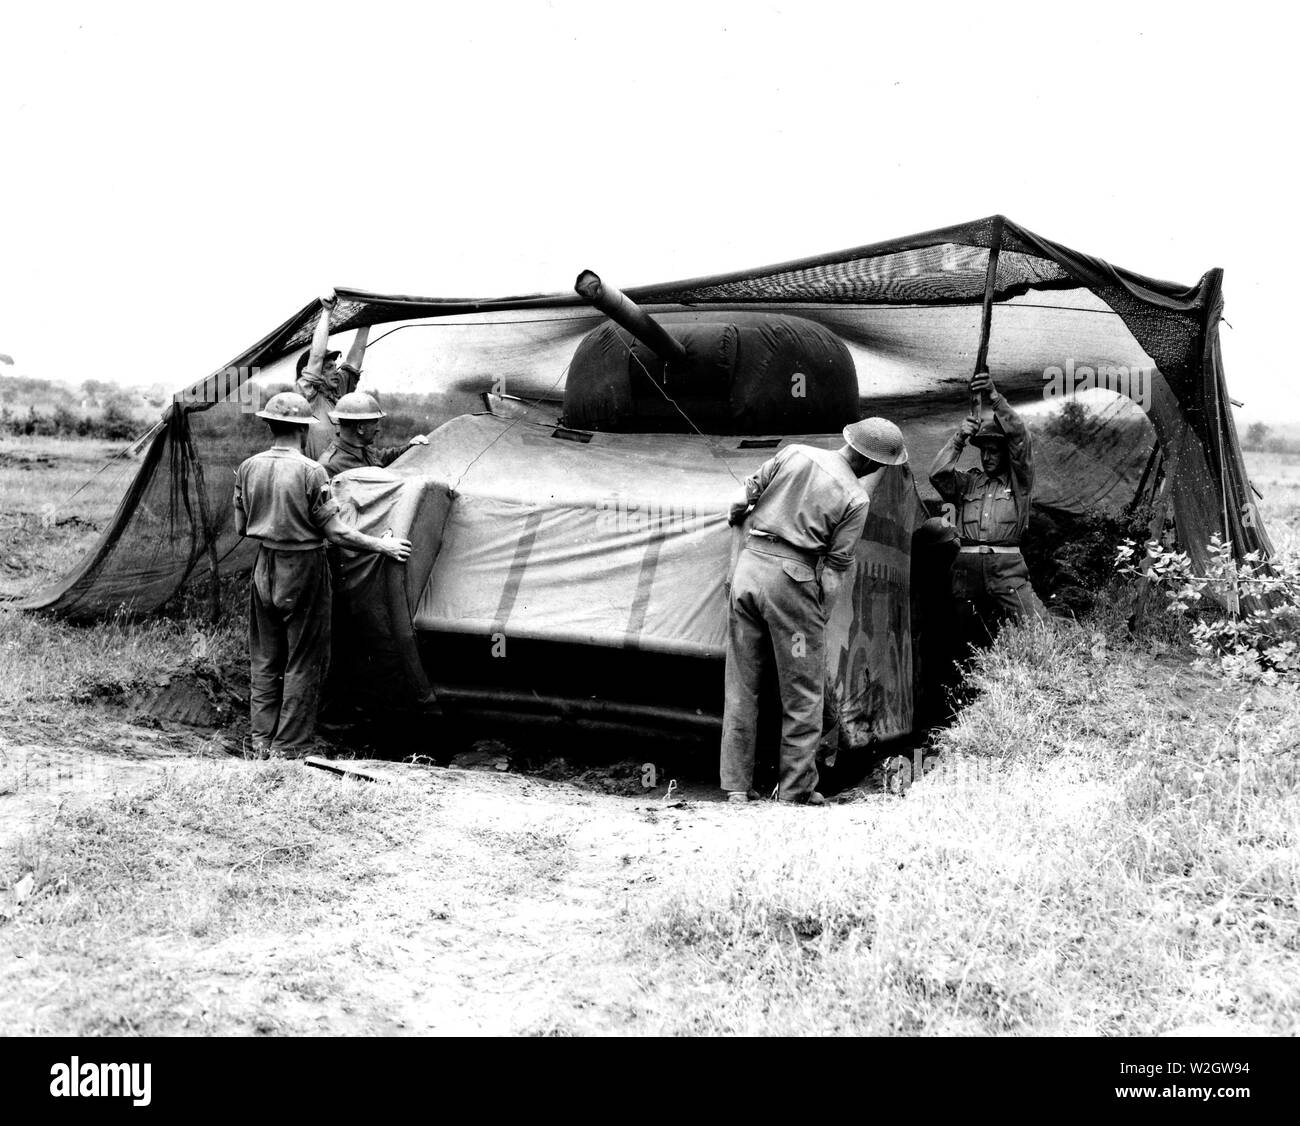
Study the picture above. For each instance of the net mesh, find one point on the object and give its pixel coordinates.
(909, 309)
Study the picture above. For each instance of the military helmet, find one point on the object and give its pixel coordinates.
(878, 439)
(287, 406)
(989, 434)
(356, 406)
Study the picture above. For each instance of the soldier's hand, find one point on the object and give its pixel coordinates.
(969, 426)
(739, 510)
(831, 581)
(419, 440)
(982, 381)
(329, 299)
(399, 550)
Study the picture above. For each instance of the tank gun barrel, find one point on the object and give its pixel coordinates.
(626, 313)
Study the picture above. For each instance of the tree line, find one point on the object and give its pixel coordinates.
(95, 409)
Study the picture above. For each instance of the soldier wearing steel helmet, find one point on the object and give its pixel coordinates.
(803, 514)
(990, 581)
(357, 416)
(282, 499)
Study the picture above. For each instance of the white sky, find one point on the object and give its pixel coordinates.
(176, 181)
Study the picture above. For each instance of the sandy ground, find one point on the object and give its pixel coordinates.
(38, 778)
(501, 917)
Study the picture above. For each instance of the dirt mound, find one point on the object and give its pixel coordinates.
(198, 695)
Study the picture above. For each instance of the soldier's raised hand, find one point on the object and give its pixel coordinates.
(982, 381)
(970, 424)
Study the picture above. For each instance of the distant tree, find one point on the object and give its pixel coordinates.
(1256, 432)
(96, 390)
(1070, 422)
(117, 422)
(65, 422)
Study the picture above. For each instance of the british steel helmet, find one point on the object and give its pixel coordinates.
(356, 406)
(287, 406)
(878, 439)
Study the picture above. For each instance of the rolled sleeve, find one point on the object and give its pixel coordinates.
(948, 481)
(756, 484)
(840, 552)
(321, 498)
(1019, 448)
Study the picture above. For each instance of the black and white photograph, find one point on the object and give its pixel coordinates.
(741, 521)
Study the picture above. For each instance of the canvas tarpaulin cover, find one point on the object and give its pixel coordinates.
(618, 542)
(909, 310)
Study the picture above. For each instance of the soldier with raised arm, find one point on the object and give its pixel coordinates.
(323, 381)
(990, 581)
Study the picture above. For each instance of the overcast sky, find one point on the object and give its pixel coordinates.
(176, 181)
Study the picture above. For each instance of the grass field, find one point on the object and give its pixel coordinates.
(1109, 844)
(56, 496)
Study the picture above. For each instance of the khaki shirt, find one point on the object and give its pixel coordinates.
(341, 455)
(285, 498)
(811, 499)
(990, 510)
(321, 431)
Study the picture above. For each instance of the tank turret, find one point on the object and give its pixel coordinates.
(719, 371)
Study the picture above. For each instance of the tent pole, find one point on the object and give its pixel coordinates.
(986, 316)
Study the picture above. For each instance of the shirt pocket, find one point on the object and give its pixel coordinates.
(800, 572)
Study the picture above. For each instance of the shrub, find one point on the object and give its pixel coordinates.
(117, 423)
(1243, 614)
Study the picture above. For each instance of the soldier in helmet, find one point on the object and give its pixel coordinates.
(323, 380)
(282, 499)
(357, 415)
(990, 582)
(804, 512)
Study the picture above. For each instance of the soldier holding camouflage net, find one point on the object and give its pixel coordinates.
(990, 581)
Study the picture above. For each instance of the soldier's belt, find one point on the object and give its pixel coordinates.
(988, 549)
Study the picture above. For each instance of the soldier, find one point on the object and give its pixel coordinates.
(322, 380)
(808, 510)
(283, 499)
(357, 415)
(990, 582)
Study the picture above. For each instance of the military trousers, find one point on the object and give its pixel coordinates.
(288, 647)
(989, 589)
(775, 613)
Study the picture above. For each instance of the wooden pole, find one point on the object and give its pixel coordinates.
(986, 316)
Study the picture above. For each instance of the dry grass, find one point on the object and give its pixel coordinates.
(204, 856)
(1110, 845)
(56, 496)
(1090, 857)
(48, 661)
